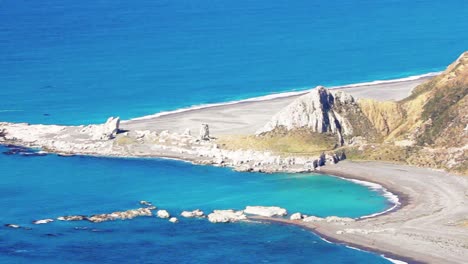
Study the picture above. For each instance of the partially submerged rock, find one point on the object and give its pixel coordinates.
(226, 216)
(129, 214)
(192, 214)
(173, 220)
(267, 211)
(143, 202)
(72, 218)
(163, 214)
(43, 221)
(12, 226)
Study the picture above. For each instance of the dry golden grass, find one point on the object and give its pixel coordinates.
(291, 143)
(124, 140)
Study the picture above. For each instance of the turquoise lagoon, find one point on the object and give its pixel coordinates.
(50, 186)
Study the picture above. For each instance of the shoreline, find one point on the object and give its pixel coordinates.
(424, 228)
(417, 229)
(285, 94)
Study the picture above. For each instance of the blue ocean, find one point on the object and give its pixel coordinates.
(51, 186)
(78, 62)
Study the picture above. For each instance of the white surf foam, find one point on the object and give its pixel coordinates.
(405, 79)
(392, 198)
(294, 92)
(10, 110)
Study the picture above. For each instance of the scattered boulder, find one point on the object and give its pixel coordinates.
(312, 219)
(192, 214)
(267, 211)
(187, 132)
(174, 220)
(146, 203)
(12, 226)
(163, 214)
(129, 214)
(296, 216)
(72, 218)
(43, 221)
(336, 219)
(226, 216)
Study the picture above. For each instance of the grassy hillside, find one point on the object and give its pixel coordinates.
(429, 128)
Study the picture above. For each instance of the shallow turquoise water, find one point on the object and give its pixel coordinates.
(50, 186)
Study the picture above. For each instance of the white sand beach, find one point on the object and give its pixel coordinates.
(430, 225)
(247, 117)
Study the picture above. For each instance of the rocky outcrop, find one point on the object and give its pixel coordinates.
(226, 216)
(105, 131)
(326, 112)
(205, 132)
(320, 111)
(267, 211)
(129, 214)
(192, 214)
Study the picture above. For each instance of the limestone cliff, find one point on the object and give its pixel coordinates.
(428, 128)
(323, 111)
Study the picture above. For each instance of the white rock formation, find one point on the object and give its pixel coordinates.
(43, 221)
(174, 220)
(205, 132)
(226, 216)
(267, 211)
(336, 219)
(320, 111)
(163, 214)
(296, 216)
(313, 219)
(187, 132)
(110, 128)
(192, 214)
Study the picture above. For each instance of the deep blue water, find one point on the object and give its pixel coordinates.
(72, 62)
(43, 187)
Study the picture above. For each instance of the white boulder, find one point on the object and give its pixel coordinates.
(312, 219)
(163, 214)
(43, 221)
(267, 211)
(174, 220)
(226, 216)
(194, 213)
(296, 216)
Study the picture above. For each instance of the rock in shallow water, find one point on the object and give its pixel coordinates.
(174, 220)
(43, 221)
(163, 214)
(226, 216)
(72, 218)
(296, 216)
(267, 211)
(194, 213)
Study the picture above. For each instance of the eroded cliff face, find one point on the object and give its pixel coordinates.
(429, 128)
(323, 111)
